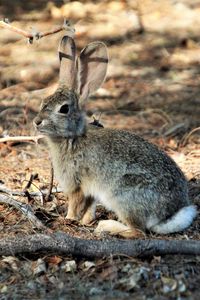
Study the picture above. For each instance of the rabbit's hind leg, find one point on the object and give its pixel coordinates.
(117, 228)
(89, 211)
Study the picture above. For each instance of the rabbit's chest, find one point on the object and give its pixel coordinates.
(66, 175)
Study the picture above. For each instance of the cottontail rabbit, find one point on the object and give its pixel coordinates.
(128, 175)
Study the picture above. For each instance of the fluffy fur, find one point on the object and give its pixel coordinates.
(178, 222)
(128, 175)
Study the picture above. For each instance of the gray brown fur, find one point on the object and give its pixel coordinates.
(127, 174)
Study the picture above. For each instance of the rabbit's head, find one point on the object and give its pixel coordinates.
(60, 114)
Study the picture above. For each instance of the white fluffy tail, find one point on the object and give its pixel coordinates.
(180, 221)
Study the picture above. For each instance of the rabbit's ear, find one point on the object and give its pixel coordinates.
(67, 56)
(92, 67)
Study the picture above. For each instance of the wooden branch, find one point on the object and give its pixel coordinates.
(62, 243)
(25, 209)
(38, 35)
(6, 25)
(21, 138)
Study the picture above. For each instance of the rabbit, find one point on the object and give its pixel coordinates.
(128, 175)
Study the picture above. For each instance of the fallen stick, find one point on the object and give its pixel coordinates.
(187, 136)
(21, 138)
(42, 192)
(49, 192)
(37, 35)
(62, 243)
(174, 129)
(25, 209)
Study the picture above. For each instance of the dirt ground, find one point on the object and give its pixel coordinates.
(152, 88)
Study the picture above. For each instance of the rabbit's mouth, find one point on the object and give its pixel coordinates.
(46, 131)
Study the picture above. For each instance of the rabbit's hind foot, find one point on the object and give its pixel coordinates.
(89, 215)
(117, 228)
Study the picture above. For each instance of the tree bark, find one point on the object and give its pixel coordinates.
(61, 243)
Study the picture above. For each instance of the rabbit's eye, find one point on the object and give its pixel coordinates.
(64, 109)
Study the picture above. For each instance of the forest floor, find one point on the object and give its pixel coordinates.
(152, 88)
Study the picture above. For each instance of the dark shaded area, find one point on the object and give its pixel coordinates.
(15, 9)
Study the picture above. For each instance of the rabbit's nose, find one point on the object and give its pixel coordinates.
(37, 121)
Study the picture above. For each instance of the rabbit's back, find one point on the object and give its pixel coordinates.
(123, 152)
(121, 165)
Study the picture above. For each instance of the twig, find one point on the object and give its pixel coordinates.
(38, 35)
(48, 195)
(21, 138)
(6, 25)
(4, 189)
(24, 208)
(32, 177)
(62, 243)
(140, 18)
(174, 129)
(10, 192)
(159, 112)
(187, 136)
(28, 185)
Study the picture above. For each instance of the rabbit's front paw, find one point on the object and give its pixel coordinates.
(71, 216)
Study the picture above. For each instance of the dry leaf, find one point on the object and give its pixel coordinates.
(4, 289)
(181, 286)
(109, 273)
(69, 266)
(87, 265)
(39, 267)
(169, 284)
(128, 283)
(54, 260)
(12, 262)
